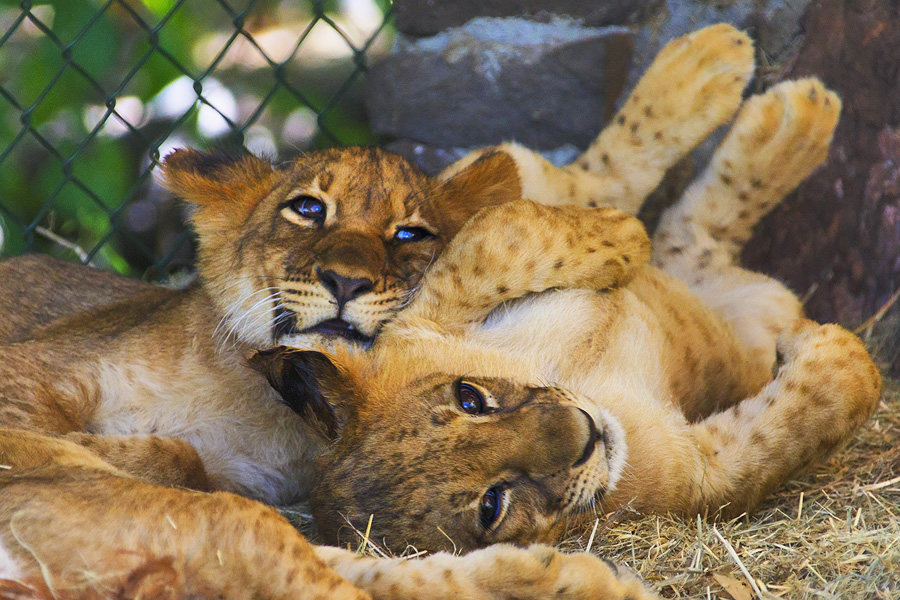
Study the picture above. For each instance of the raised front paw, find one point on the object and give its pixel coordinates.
(777, 140)
(693, 86)
(527, 247)
(540, 572)
(507, 251)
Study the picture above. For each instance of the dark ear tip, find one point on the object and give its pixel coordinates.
(492, 168)
(264, 360)
(177, 153)
(273, 351)
(275, 362)
(178, 158)
(306, 380)
(203, 163)
(493, 159)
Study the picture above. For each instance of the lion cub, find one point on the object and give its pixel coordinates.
(108, 386)
(544, 368)
(154, 381)
(323, 250)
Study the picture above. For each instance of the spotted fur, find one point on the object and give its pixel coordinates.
(112, 387)
(612, 382)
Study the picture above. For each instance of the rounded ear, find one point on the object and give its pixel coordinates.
(310, 384)
(491, 179)
(210, 178)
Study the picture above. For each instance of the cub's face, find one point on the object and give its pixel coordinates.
(322, 249)
(444, 462)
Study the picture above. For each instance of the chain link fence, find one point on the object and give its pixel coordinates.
(94, 92)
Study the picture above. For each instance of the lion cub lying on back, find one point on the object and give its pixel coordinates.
(544, 368)
(323, 250)
(108, 386)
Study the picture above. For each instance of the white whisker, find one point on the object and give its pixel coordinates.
(231, 310)
(248, 313)
(409, 295)
(229, 326)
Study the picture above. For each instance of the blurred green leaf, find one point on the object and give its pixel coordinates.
(159, 7)
(69, 59)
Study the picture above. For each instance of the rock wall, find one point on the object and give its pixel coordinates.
(465, 74)
(469, 73)
(836, 240)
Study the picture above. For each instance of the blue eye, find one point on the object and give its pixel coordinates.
(308, 207)
(490, 507)
(412, 234)
(470, 399)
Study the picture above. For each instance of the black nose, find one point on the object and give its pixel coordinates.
(343, 289)
(593, 436)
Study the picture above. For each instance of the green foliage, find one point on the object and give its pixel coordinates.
(87, 104)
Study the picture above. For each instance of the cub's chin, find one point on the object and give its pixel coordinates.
(338, 329)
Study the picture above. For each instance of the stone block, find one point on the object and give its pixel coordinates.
(541, 84)
(773, 24)
(433, 159)
(428, 17)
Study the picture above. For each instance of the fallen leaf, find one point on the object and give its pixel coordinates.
(737, 589)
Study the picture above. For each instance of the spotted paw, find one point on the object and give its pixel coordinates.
(777, 140)
(693, 86)
(585, 576)
(543, 572)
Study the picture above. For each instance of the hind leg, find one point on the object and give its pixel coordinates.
(692, 87)
(61, 406)
(777, 139)
(823, 392)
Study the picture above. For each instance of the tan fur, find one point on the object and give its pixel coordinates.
(72, 527)
(108, 386)
(129, 360)
(153, 383)
(105, 361)
(103, 374)
(603, 380)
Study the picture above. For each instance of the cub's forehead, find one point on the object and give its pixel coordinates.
(360, 181)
